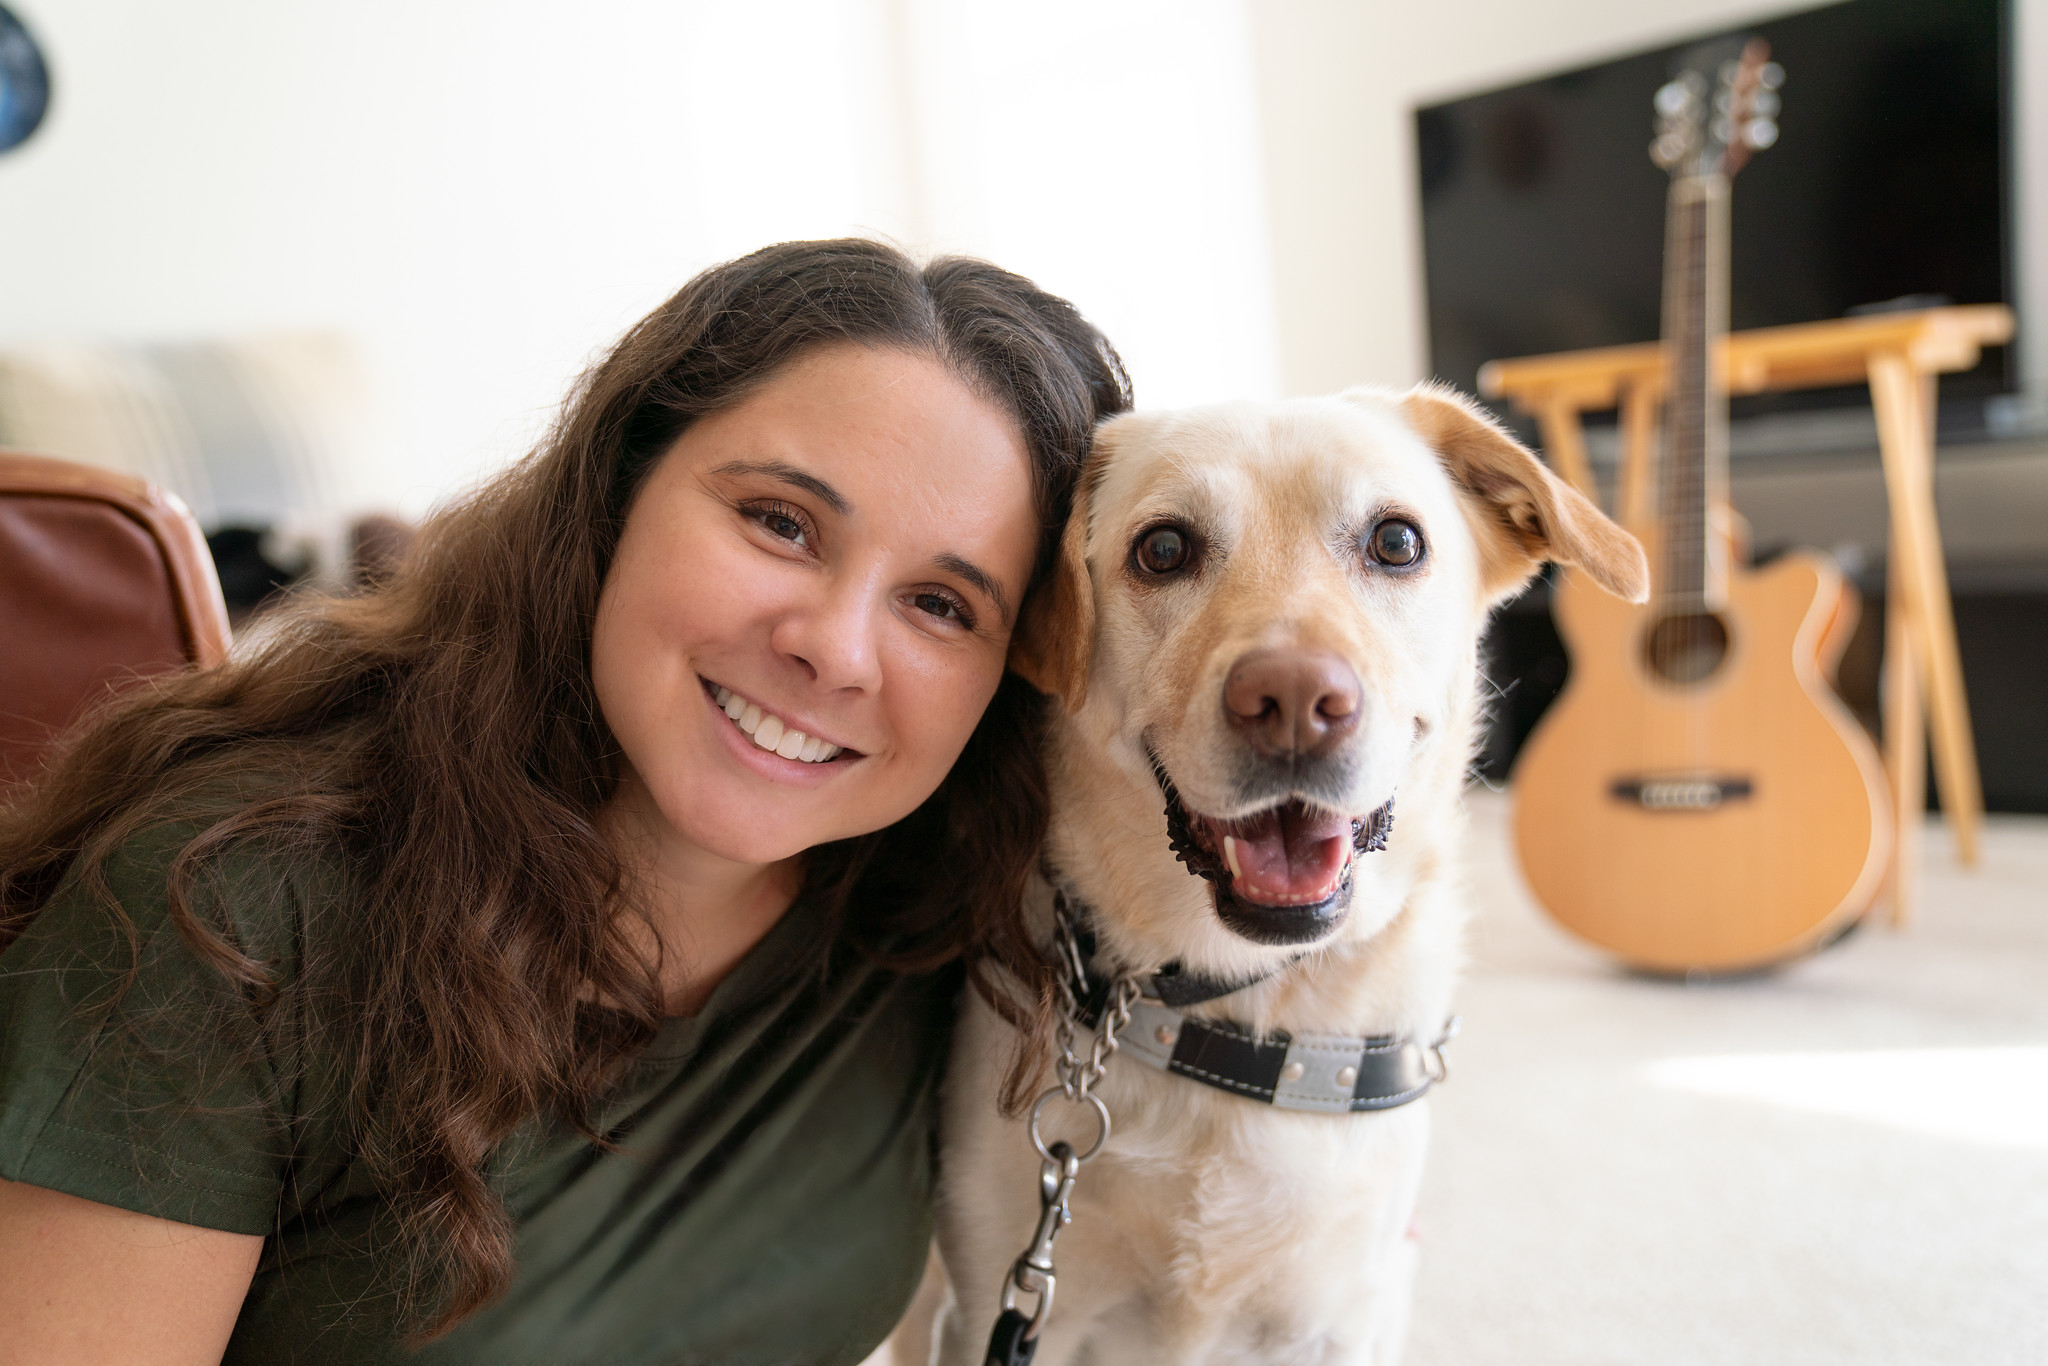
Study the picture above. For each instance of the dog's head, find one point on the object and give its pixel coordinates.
(1272, 610)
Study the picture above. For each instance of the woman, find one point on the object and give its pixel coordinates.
(534, 959)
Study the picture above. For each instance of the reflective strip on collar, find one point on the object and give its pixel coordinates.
(1152, 1033)
(1329, 1074)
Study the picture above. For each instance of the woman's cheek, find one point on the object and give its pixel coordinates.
(946, 707)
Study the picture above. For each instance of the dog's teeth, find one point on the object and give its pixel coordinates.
(792, 744)
(1230, 857)
(769, 733)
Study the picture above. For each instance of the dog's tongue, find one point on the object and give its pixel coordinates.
(1289, 856)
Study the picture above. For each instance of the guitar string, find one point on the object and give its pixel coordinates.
(1684, 597)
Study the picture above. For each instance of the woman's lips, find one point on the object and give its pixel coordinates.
(770, 732)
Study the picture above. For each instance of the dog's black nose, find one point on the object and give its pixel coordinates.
(1292, 703)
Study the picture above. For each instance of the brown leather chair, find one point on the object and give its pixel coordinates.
(104, 578)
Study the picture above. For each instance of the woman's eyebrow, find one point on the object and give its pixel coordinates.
(977, 578)
(791, 475)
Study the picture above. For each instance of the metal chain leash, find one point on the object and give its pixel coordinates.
(1014, 1342)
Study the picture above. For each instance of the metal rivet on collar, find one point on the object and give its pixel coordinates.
(1291, 1072)
(1347, 1077)
(1165, 1035)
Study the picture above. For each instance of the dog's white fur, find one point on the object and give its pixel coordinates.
(1214, 1229)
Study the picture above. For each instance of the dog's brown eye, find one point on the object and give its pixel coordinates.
(1395, 543)
(1164, 550)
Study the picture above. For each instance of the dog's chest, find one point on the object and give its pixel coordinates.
(1256, 1232)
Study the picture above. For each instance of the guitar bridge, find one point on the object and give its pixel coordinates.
(1680, 792)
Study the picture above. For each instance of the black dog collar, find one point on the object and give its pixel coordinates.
(1334, 1074)
(1172, 985)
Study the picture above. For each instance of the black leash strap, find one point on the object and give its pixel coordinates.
(1010, 1344)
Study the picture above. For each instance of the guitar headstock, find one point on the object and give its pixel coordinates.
(1720, 107)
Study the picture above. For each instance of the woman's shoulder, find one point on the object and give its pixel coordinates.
(225, 852)
(148, 1058)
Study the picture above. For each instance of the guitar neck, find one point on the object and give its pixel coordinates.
(1695, 473)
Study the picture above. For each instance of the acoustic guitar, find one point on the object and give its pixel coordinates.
(1698, 799)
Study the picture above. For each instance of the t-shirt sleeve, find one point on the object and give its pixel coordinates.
(175, 1097)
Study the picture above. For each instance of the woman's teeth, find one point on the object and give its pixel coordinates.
(769, 733)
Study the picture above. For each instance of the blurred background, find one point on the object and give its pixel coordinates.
(316, 268)
(299, 262)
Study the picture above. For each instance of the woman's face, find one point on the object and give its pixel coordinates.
(812, 600)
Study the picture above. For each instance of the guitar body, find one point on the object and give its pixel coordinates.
(1719, 825)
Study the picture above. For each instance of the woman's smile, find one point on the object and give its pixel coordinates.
(772, 733)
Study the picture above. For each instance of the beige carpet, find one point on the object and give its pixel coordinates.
(1845, 1162)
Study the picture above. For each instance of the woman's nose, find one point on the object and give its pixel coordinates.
(833, 634)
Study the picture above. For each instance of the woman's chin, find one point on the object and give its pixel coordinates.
(731, 822)
(756, 844)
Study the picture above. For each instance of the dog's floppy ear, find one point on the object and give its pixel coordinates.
(1050, 649)
(1528, 514)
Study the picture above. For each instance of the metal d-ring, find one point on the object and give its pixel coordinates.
(1091, 1100)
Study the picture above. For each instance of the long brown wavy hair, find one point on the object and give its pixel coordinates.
(440, 736)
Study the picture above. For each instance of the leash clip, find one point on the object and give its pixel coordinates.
(1033, 1272)
(1014, 1341)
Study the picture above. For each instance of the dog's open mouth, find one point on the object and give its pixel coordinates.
(1288, 855)
(1279, 876)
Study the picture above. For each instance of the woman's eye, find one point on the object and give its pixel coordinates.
(781, 521)
(943, 607)
(1164, 550)
(1395, 543)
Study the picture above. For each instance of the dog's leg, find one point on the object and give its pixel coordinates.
(1397, 1299)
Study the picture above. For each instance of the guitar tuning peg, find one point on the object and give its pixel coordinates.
(1672, 98)
(1724, 131)
(1765, 104)
(1667, 151)
(1771, 77)
(1760, 133)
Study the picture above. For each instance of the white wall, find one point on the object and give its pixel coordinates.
(2030, 156)
(484, 194)
(1110, 149)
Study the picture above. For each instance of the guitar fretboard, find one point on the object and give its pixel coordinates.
(1695, 451)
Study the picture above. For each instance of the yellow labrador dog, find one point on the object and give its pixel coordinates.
(1263, 637)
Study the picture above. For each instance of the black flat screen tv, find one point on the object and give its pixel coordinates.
(1542, 215)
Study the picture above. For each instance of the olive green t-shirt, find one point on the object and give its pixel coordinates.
(768, 1201)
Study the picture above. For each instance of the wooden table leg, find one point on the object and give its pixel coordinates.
(1902, 425)
(1905, 743)
(1564, 441)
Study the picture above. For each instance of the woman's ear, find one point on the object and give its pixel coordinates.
(1524, 513)
(1050, 649)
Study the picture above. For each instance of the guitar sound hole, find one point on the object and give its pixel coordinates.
(1686, 648)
